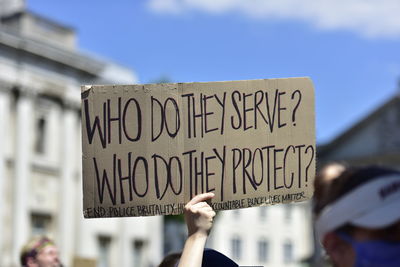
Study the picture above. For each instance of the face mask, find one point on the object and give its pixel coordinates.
(375, 253)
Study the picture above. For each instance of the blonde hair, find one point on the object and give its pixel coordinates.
(323, 181)
(33, 247)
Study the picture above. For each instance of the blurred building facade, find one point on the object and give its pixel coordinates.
(373, 140)
(269, 236)
(277, 235)
(41, 71)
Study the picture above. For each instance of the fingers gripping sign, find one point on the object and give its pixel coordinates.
(199, 215)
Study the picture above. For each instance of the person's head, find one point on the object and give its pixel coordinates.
(358, 216)
(40, 252)
(322, 182)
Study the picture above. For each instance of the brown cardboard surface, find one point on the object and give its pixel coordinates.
(82, 262)
(147, 149)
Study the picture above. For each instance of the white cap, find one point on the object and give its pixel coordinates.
(375, 204)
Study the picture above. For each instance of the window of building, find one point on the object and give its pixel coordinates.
(40, 224)
(288, 252)
(138, 253)
(45, 125)
(236, 246)
(104, 244)
(288, 212)
(263, 213)
(263, 250)
(40, 135)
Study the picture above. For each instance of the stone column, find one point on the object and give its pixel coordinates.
(155, 239)
(125, 243)
(4, 126)
(23, 153)
(67, 185)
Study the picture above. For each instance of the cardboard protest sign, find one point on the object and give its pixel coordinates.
(148, 149)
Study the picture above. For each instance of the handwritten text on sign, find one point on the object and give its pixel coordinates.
(148, 149)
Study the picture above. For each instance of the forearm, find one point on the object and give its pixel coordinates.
(199, 217)
(192, 254)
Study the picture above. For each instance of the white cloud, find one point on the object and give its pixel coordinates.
(165, 6)
(371, 18)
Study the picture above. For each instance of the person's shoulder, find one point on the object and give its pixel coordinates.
(213, 258)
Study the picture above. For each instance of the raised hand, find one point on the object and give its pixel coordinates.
(199, 218)
(199, 215)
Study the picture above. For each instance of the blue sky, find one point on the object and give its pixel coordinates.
(350, 48)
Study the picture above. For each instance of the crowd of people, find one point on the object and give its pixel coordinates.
(356, 212)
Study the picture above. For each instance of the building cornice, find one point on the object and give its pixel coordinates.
(72, 59)
(68, 101)
(28, 91)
